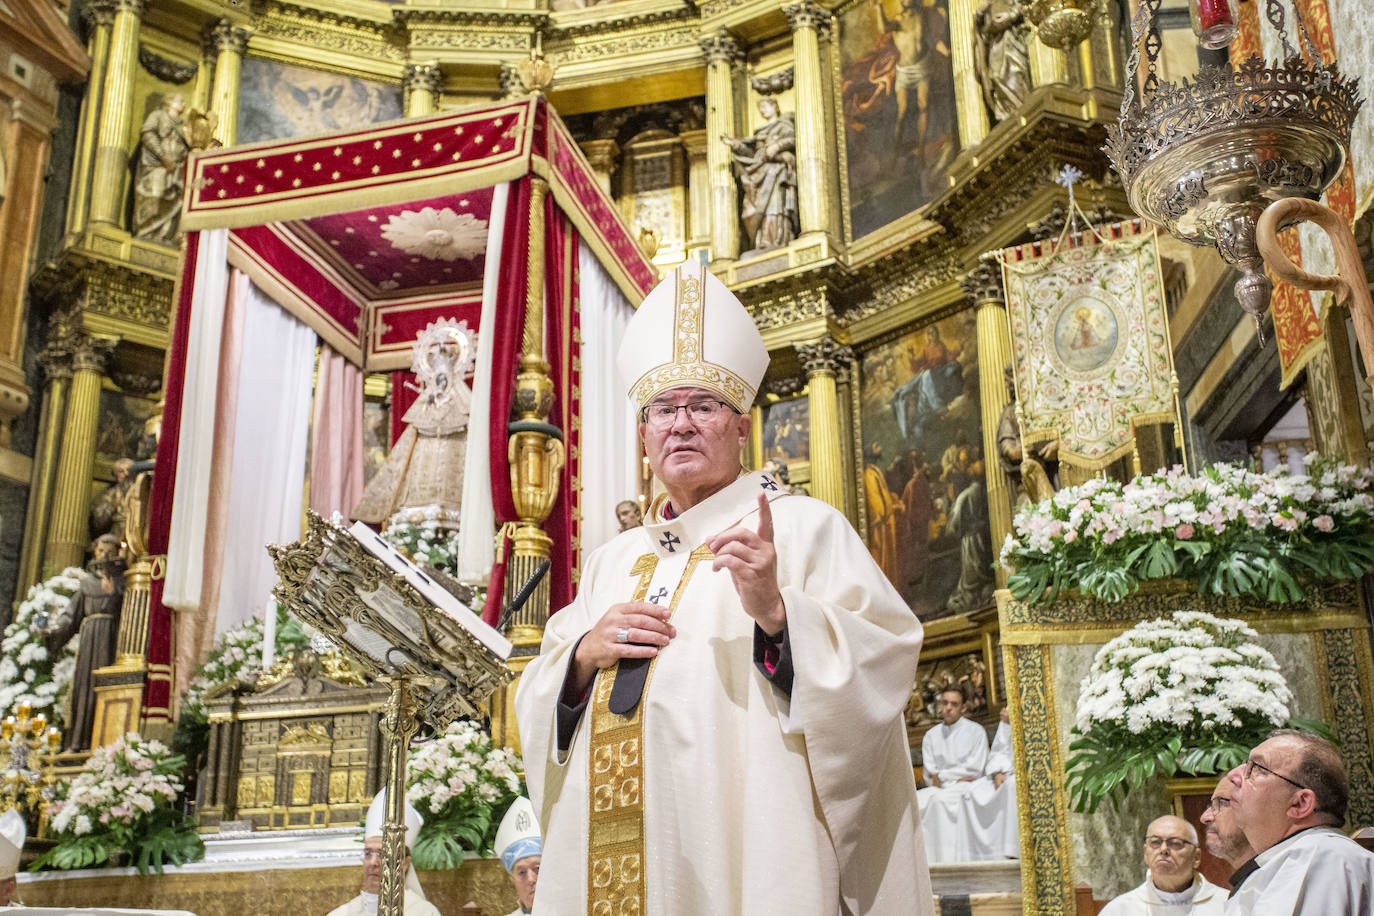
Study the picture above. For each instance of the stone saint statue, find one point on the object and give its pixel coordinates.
(160, 179)
(94, 613)
(425, 467)
(767, 170)
(107, 509)
(1031, 473)
(1001, 57)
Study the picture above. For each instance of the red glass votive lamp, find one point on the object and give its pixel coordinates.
(1214, 22)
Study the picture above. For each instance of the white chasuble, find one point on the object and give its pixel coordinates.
(718, 794)
(1319, 870)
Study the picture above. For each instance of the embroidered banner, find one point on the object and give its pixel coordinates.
(1090, 341)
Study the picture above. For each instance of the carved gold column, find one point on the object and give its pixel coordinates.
(69, 528)
(100, 15)
(1099, 58)
(1047, 65)
(205, 75)
(984, 286)
(823, 361)
(230, 42)
(808, 20)
(968, 95)
(723, 55)
(56, 363)
(696, 143)
(602, 156)
(423, 82)
(116, 111)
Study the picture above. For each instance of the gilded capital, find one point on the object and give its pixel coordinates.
(90, 353)
(423, 77)
(807, 15)
(721, 46)
(55, 359)
(131, 6)
(99, 12)
(223, 35)
(983, 284)
(602, 155)
(825, 355)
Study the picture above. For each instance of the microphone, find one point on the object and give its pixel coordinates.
(522, 596)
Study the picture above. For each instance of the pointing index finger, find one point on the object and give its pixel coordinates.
(765, 519)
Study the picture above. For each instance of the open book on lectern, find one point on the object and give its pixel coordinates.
(394, 618)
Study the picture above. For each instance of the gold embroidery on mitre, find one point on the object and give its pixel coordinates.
(688, 368)
(615, 830)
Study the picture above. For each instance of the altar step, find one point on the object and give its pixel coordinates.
(978, 888)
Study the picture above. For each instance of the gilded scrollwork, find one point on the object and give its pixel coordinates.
(825, 355)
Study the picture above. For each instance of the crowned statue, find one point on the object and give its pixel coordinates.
(425, 467)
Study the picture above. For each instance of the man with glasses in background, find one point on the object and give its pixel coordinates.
(724, 697)
(1173, 885)
(1224, 838)
(1289, 799)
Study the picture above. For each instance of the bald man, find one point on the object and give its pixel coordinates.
(1173, 885)
(1224, 838)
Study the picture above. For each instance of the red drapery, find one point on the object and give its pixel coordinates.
(560, 259)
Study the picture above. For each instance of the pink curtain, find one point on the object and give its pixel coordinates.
(336, 435)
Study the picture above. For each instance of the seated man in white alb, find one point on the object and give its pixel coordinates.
(365, 903)
(954, 755)
(990, 807)
(520, 849)
(1173, 885)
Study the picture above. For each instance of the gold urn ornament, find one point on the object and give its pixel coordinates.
(1063, 24)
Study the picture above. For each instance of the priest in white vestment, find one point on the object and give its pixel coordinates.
(519, 847)
(1290, 800)
(714, 725)
(13, 833)
(990, 806)
(953, 755)
(366, 903)
(1173, 885)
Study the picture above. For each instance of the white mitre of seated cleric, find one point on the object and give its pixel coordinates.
(376, 819)
(12, 836)
(518, 836)
(691, 332)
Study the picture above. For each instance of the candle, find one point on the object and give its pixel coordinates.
(1214, 22)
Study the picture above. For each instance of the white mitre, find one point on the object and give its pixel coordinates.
(376, 819)
(12, 835)
(691, 332)
(518, 836)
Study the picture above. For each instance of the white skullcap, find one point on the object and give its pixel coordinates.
(691, 332)
(518, 836)
(12, 835)
(376, 819)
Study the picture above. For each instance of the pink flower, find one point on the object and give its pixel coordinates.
(1070, 536)
(1324, 522)
(1184, 531)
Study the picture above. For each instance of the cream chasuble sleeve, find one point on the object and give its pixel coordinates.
(737, 777)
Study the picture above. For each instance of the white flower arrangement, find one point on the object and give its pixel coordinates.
(1190, 693)
(1236, 532)
(462, 786)
(428, 535)
(237, 655)
(28, 672)
(124, 799)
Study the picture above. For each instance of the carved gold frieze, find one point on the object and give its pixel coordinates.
(107, 297)
(302, 33)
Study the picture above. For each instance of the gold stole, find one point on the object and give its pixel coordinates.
(615, 832)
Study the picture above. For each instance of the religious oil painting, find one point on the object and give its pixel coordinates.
(1086, 334)
(376, 436)
(119, 431)
(786, 433)
(923, 467)
(279, 100)
(897, 94)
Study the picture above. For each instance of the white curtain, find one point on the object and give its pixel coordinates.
(267, 479)
(477, 550)
(610, 440)
(196, 440)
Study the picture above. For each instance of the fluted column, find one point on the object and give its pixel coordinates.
(808, 20)
(968, 94)
(602, 156)
(205, 74)
(100, 15)
(116, 109)
(723, 54)
(68, 531)
(697, 143)
(823, 361)
(56, 362)
(423, 82)
(984, 286)
(230, 43)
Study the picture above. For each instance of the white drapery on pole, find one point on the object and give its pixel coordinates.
(610, 440)
(477, 550)
(196, 440)
(267, 482)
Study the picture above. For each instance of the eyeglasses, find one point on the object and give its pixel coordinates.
(1219, 803)
(699, 413)
(1175, 844)
(1252, 765)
